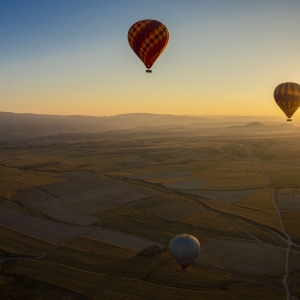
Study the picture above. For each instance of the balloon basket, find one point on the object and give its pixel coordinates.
(289, 119)
(148, 71)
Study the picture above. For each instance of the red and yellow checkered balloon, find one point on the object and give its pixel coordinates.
(287, 96)
(148, 39)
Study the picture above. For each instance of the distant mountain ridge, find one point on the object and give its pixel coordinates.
(33, 125)
(260, 127)
(36, 125)
(255, 125)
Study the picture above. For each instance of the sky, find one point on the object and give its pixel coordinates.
(72, 57)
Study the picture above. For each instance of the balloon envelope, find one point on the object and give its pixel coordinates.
(184, 249)
(287, 96)
(148, 39)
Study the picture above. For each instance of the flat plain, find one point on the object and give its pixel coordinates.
(75, 218)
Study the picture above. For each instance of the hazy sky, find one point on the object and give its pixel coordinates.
(72, 56)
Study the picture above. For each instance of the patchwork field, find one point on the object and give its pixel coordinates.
(291, 223)
(261, 200)
(85, 220)
(14, 179)
(264, 217)
(255, 257)
(17, 242)
(288, 202)
(41, 228)
(223, 196)
(163, 175)
(186, 185)
(122, 239)
(282, 176)
(173, 211)
(100, 270)
(230, 176)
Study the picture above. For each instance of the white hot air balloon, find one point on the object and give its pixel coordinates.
(184, 249)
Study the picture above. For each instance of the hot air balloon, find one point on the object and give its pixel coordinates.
(148, 39)
(287, 96)
(184, 249)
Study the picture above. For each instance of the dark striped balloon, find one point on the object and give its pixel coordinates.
(148, 39)
(287, 96)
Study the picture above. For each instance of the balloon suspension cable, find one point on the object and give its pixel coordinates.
(148, 71)
(289, 119)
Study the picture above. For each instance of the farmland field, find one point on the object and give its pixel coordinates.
(81, 219)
